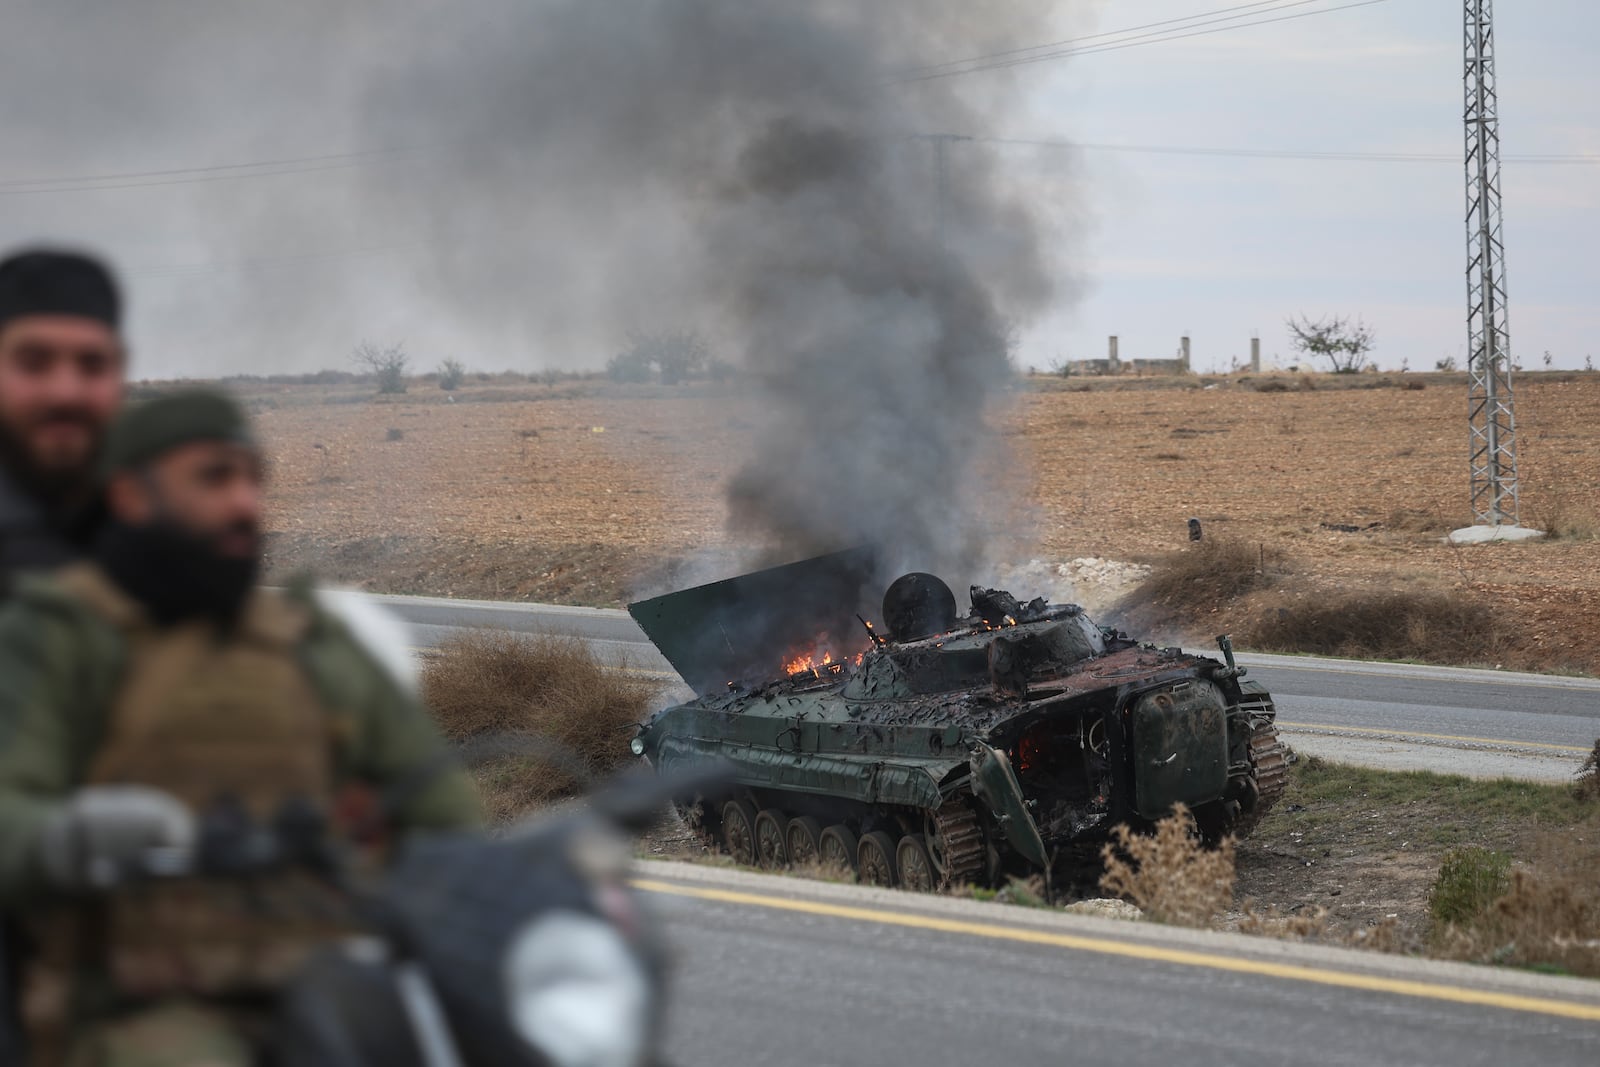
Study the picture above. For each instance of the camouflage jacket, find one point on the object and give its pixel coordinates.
(31, 539)
(60, 668)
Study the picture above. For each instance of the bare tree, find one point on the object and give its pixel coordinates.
(452, 372)
(676, 356)
(1342, 343)
(386, 365)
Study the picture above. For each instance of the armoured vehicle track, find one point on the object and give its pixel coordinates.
(953, 749)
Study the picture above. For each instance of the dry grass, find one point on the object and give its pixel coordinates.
(1198, 576)
(1272, 606)
(1383, 936)
(1306, 925)
(1439, 626)
(1029, 892)
(1549, 916)
(1417, 521)
(512, 693)
(1170, 875)
(1561, 519)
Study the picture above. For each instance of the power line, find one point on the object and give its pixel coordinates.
(1141, 40)
(1137, 41)
(271, 262)
(191, 175)
(973, 64)
(1272, 153)
(132, 174)
(1071, 41)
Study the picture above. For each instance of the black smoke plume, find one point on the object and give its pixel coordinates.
(521, 183)
(764, 171)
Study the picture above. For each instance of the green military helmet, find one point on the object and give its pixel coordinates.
(147, 430)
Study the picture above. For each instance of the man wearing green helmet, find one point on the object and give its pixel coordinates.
(144, 687)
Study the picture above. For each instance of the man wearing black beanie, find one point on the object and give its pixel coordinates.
(61, 372)
(61, 382)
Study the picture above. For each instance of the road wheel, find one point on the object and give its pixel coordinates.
(739, 832)
(801, 839)
(917, 871)
(875, 859)
(836, 849)
(770, 849)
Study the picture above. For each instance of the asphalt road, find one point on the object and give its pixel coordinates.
(786, 971)
(1388, 715)
(783, 971)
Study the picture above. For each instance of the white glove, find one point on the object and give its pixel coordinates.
(104, 831)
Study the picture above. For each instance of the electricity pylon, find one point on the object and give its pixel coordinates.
(1489, 397)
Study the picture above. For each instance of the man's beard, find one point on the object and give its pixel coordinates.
(62, 488)
(175, 574)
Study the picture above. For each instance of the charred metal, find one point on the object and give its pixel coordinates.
(956, 749)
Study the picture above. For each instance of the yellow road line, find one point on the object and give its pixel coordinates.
(1396, 731)
(1133, 950)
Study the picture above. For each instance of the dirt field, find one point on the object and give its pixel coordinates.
(1365, 846)
(586, 492)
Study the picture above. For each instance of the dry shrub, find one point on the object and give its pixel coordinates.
(1549, 917)
(1588, 784)
(1315, 924)
(1170, 874)
(1384, 936)
(1197, 577)
(1402, 621)
(510, 692)
(1440, 626)
(814, 869)
(1560, 520)
(1285, 926)
(1029, 892)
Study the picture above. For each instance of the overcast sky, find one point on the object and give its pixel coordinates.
(233, 274)
(1222, 247)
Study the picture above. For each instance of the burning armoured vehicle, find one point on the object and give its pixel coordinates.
(948, 749)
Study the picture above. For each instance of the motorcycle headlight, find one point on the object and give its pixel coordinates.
(578, 993)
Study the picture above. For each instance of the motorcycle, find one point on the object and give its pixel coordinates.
(522, 950)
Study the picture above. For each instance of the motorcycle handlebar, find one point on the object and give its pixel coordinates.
(229, 844)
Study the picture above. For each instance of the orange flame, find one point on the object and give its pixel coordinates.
(819, 661)
(807, 662)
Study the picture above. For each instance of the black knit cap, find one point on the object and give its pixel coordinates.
(47, 281)
(145, 431)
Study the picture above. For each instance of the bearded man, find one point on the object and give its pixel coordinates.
(155, 686)
(62, 362)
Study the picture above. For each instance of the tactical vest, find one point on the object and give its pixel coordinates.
(207, 718)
